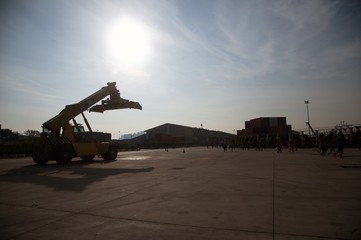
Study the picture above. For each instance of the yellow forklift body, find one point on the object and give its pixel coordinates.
(61, 141)
(91, 148)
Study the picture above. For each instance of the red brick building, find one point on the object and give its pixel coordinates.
(269, 129)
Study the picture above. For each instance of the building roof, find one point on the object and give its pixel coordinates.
(170, 124)
(265, 118)
(176, 125)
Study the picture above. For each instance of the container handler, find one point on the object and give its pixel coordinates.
(61, 140)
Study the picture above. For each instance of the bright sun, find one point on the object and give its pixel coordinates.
(128, 42)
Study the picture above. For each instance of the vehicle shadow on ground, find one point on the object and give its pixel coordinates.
(74, 177)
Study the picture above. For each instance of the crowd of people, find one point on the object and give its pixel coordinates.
(332, 144)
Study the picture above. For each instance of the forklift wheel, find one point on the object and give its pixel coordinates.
(111, 155)
(40, 161)
(64, 154)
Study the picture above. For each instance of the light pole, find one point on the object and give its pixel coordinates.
(308, 118)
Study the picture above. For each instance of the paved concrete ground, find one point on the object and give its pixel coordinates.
(200, 194)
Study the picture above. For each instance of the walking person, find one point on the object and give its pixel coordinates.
(322, 144)
(340, 142)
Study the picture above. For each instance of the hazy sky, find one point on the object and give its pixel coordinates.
(188, 62)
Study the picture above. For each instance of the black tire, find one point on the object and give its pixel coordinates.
(64, 154)
(39, 161)
(41, 156)
(111, 155)
(88, 158)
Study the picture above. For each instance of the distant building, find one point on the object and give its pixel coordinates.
(131, 135)
(172, 135)
(266, 129)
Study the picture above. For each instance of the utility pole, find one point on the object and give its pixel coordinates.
(308, 118)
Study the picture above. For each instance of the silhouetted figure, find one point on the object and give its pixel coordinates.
(279, 147)
(246, 144)
(225, 146)
(331, 144)
(340, 142)
(291, 147)
(322, 144)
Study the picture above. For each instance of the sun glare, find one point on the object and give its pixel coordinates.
(128, 42)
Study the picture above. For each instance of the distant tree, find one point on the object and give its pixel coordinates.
(8, 135)
(32, 133)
